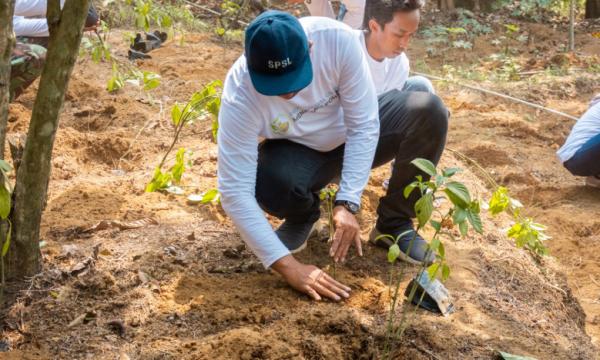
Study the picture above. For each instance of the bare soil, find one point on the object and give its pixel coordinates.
(187, 288)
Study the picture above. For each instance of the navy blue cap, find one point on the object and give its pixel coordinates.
(278, 54)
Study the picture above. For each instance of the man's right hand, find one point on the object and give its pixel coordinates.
(310, 280)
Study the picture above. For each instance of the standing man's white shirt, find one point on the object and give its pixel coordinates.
(388, 74)
(33, 7)
(23, 26)
(30, 27)
(339, 106)
(355, 11)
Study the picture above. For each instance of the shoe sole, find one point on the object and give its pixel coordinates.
(313, 231)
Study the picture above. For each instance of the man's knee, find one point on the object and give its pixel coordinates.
(418, 83)
(432, 112)
(278, 194)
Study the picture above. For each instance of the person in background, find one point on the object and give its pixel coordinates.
(580, 153)
(351, 12)
(30, 25)
(29, 54)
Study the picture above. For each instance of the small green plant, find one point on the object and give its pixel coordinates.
(231, 11)
(164, 180)
(525, 231)
(5, 207)
(512, 32)
(97, 47)
(116, 80)
(211, 196)
(201, 103)
(147, 14)
(462, 212)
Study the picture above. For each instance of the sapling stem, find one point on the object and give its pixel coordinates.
(187, 110)
(390, 326)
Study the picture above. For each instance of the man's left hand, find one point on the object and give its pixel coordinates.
(347, 232)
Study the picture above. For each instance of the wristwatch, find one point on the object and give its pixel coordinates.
(349, 205)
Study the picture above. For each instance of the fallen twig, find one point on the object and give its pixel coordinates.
(495, 93)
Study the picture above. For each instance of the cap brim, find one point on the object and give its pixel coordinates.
(293, 81)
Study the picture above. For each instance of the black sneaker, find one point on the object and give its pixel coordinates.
(295, 236)
(419, 252)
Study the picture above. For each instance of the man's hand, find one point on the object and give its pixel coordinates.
(310, 280)
(347, 232)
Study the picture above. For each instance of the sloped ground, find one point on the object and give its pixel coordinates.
(188, 289)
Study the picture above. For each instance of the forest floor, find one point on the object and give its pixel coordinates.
(185, 287)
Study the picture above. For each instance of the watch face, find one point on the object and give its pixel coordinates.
(352, 207)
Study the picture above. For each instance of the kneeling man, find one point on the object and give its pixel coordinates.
(305, 87)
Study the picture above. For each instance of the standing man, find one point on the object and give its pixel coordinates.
(305, 87)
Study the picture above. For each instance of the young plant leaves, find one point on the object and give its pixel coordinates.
(393, 253)
(499, 201)
(6, 244)
(4, 202)
(425, 165)
(424, 209)
(458, 194)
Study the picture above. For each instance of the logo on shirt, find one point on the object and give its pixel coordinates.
(281, 124)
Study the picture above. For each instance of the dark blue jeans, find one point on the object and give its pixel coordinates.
(290, 175)
(586, 161)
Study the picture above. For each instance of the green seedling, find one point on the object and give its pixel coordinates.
(148, 13)
(231, 12)
(211, 196)
(525, 231)
(512, 32)
(201, 103)
(463, 212)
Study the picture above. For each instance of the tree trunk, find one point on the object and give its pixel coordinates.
(7, 41)
(473, 5)
(592, 9)
(446, 5)
(572, 26)
(66, 29)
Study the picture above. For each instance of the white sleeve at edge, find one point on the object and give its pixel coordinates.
(237, 162)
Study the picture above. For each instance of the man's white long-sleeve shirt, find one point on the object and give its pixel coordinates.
(23, 26)
(31, 8)
(339, 106)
